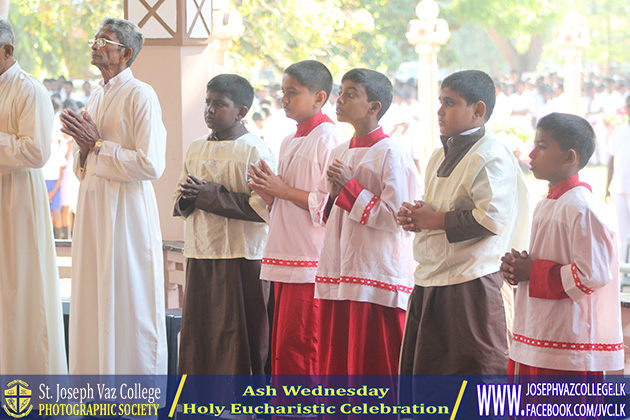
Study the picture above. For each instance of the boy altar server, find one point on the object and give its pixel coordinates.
(363, 278)
(567, 318)
(225, 329)
(295, 234)
(475, 208)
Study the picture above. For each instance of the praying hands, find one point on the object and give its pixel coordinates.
(515, 266)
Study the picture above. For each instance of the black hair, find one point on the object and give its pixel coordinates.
(235, 87)
(473, 86)
(312, 74)
(257, 116)
(571, 132)
(377, 86)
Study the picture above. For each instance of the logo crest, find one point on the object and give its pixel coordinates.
(17, 396)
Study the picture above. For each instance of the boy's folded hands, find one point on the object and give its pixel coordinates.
(406, 216)
(191, 188)
(338, 175)
(515, 266)
(419, 215)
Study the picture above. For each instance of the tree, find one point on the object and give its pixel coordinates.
(51, 35)
(344, 34)
(518, 28)
(371, 33)
(608, 22)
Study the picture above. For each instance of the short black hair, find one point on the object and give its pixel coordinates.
(377, 86)
(235, 87)
(473, 86)
(312, 74)
(571, 132)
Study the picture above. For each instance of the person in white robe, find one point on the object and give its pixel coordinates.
(31, 324)
(117, 312)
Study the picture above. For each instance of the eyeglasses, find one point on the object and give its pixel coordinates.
(100, 42)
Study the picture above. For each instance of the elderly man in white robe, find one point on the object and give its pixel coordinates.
(117, 315)
(31, 325)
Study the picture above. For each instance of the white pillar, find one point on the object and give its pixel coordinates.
(427, 98)
(572, 73)
(572, 37)
(428, 33)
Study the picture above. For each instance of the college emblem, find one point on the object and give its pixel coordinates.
(18, 399)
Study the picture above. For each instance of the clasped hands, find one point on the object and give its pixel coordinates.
(191, 188)
(81, 128)
(516, 266)
(338, 175)
(419, 215)
(266, 184)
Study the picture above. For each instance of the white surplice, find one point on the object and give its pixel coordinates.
(117, 319)
(31, 327)
(366, 255)
(581, 330)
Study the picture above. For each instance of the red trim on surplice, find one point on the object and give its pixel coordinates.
(348, 195)
(305, 127)
(561, 187)
(545, 281)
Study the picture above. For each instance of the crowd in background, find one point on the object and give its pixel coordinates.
(520, 104)
(62, 184)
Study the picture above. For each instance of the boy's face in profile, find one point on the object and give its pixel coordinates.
(352, 104)
(454, 115)
(548, 160)
(220, 112)
(297, 101)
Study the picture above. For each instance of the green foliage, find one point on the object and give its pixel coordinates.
(371, 33)
(514, 19)
(608, 22)
(517, 26)
(344, 34)
(51, 35)
(471, 48)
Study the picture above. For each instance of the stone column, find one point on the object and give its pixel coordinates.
(571, 39)
(428, 34)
